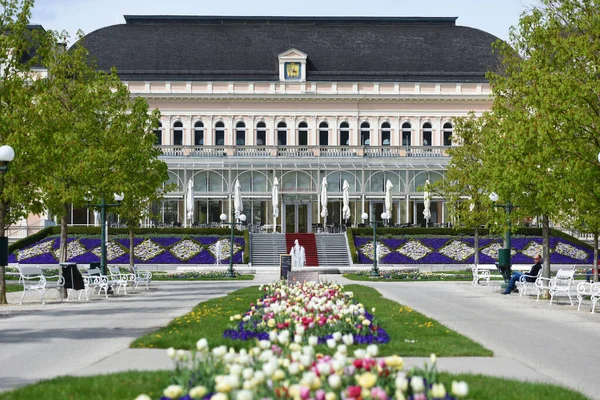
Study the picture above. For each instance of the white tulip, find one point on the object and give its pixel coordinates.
(334, 381)
(273, 336)
(417, 384)
(264, 344)
(372, 350)
(460, 389)
(438, 391)
(297, 339)
(313, 340)
(331, 343)
(171, 352)
(173, 391)
(202, 344)
(248, 373)
(143, 397)
(337, 336)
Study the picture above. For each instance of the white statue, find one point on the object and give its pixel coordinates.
(302, 257)
(218, 251)
(297, 253)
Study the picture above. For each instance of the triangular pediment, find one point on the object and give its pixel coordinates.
(292, 54)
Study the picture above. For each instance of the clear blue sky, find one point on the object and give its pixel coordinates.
(493, 16)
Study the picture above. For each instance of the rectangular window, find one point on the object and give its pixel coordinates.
(385, 138)
(406, 138)
(178, 137)
(220, 138)
(240, 138)
(281, 138)
(426, 138)
(364, 138)
(344, 138)
(447, 138)
(323, 138)
(261, 138)
(199, 138)
(303, 138)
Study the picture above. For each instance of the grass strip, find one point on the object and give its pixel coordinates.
(128, 385)
(203, 278)
(396, 276)
(412, 333)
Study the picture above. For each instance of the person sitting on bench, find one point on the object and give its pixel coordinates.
(530, 276)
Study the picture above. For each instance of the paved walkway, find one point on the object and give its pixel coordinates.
(531, 341)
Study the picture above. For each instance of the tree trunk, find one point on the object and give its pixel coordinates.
(63, 243)
(595, 266)
(3, 300)
(477, 245)
(131, 255)
(546, 251)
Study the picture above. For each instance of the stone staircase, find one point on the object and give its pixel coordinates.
(332, 250)
(307, 240)
(266, 248)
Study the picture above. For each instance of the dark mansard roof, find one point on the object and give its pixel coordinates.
(210, 48)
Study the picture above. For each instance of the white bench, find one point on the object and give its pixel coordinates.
(523, 283)
(144, 277)
(482, 273)
(94, 279)
(563, 283)
(33, 278)
(119, 280)
(592, 290)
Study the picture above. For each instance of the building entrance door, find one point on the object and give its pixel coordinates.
(296, 217)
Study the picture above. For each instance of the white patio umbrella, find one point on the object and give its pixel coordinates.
(275, 201)
(238, 206)
(324, 212)
(388, 198)
(346, 201)
(189, 201)
(427, 202)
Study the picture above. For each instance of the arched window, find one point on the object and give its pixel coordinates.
(158, 133)
(447, 134)
(240, 134)
(365, 134)
(281, 134)
(220, 134)
(406, 133)
(426, 134)
(261, 134)
(303, 134)
(386, 134)
(198, 134)
(323, 134)
(178, 133)
(344, 134)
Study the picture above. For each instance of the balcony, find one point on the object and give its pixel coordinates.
(305, 151)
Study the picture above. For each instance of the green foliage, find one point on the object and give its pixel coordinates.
(246, 259)
(31, 239)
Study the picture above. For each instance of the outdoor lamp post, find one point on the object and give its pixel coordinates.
(241, 218)
(103, 206)
(373, 222)
(7, 154)
(504, 253)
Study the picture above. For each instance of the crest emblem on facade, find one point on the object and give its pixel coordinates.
(292, 70)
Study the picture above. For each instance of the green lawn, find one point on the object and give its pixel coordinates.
(13, 287)
(412, 334)
(164, 277)
(412, 276)
(129, 385)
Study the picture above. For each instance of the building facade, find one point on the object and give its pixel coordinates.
(303, 100)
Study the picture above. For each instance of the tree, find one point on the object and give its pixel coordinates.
(17, 55)
(90, 134)
(466, 177)
(144, 175)
(547, 109)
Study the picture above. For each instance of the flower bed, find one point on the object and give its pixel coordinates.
(289, 323)
(318, 309)
(450, 250)
(154, 250)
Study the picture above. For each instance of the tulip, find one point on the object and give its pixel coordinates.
(171, 352)
(173, 392)
(438, 391)
(460, 389)
(198, 392)
(417, 384)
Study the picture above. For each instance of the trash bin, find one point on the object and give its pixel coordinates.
(504, 263)
(73, 278)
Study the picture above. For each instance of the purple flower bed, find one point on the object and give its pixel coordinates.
(204, 257)
(518, 244)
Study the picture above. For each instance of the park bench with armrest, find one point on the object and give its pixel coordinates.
(563, 282)
(94, 279)
(144, 277)
(120, 280)
(528, 281)
(33, 278)
(585, 289)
